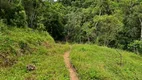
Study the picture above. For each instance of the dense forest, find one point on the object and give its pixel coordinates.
(113, 23)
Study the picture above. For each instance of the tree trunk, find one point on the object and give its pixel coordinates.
(141, 28)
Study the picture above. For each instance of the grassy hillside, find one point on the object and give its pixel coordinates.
(17, 42)
(48, 61)
(21, 47)
(101, 63)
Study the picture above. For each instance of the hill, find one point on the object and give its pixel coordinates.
(93, 62)
(22, 47)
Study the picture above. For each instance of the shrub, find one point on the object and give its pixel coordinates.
(136, 46)
(3, 26)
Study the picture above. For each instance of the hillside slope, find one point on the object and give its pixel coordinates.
(17, 42)
(101, 63)
(22, 47)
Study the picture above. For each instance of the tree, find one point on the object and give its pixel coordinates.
(54, 20)
(107, 29)
(33, 9)
(13, 13)
(73, 28)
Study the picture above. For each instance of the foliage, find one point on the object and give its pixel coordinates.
(111, 23)
(136, 46)
(109, 28)
(13, 14)
(26, 26)
(54, 20)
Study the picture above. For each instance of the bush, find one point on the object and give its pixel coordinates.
(136, 46)
(3, 26)
(19, 17)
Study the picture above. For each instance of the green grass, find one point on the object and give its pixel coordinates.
(49, 63)
(15, 42)
(20, 47)
(101, 63)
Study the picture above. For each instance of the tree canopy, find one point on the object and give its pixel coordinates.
(113, 23)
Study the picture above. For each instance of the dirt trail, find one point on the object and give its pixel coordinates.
(68, 64)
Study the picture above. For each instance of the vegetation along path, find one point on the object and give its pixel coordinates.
(73, 75)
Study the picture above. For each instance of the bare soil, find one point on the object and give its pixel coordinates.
(73, 75)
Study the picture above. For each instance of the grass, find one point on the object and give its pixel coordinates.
(49, 64)
(15, 42)
(20, 47)
(101, 63)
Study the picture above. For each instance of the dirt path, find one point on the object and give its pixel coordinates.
(72, 71)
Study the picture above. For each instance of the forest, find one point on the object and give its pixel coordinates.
(39, 28)
(113, 23)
